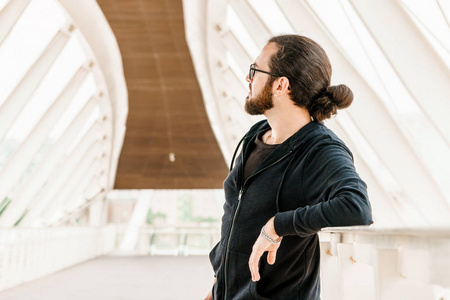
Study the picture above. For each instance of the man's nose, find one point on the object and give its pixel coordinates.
(247, 79)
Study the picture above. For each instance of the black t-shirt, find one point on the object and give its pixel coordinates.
(259, 153)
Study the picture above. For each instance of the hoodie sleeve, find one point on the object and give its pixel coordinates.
(335, 193)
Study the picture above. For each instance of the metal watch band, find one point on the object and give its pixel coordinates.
(267, 237)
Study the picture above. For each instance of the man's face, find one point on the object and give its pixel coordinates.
(260, 97)
(260, 103)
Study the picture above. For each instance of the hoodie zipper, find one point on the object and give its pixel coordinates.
(236, 213)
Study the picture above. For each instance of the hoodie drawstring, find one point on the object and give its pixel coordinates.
(235, 152)
(282, 179)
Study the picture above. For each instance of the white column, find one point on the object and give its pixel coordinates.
(387, 274)
(357, 277)
(46, 166)
(96, 209)
(15, 102)
(137, 220)
(430, 92)
(330, 274)
(42, 199)
(9, 15)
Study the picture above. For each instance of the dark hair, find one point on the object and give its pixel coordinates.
(308, 69)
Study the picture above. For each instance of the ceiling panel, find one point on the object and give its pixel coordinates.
(166, 110)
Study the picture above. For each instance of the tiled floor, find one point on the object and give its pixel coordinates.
(124, 278)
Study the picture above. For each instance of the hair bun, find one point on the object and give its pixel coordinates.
(329, 100)
(341, 95)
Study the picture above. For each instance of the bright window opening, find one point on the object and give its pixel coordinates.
(86, 91)
(241, 32)
(92, 119)
(272, 16)
(51, 86)
(237, 70)
(37, 26)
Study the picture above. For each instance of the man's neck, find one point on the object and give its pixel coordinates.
(285, 123)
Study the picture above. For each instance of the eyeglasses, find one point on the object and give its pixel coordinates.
(252, 71)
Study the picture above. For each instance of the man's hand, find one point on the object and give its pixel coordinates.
(262, 245)
(209, 296)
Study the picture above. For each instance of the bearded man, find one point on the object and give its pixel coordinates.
(293, 177)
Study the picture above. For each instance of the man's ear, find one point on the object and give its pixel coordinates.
(282, 86)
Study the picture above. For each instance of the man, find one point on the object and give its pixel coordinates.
(293, 177)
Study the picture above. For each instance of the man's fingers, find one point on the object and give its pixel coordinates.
(271, 256)
(253, 264)
(258, 250)
(250, 264)
(209, 296)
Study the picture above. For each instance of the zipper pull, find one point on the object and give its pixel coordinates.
(240, 195)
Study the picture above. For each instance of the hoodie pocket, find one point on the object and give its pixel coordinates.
(254, 291)
(215, 257)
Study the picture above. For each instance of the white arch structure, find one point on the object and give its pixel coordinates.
(394, 54)
(26, 196)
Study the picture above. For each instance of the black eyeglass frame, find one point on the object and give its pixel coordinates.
(253, 70)
(251, 74)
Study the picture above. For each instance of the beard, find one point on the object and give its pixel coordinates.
(261, 103)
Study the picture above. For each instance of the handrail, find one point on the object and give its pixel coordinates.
(366, 262)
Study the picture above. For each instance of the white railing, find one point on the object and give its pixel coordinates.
(28, 254)
(380, 264)
(174, 240)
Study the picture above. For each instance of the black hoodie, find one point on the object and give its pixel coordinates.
(308, 182)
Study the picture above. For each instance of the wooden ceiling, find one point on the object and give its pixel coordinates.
(166, 110)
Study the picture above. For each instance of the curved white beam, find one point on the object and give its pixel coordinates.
(411, 56)
(242, 57)
(197, 24)
(45, 195)
(102, 45)
(9, 16)
(56, 195)
(256, 27)
(46, 166)
(388, 209)
(374, 121)
(15, 102)
(107, 128)
(21, 158)
(71, 190)
(445, 13)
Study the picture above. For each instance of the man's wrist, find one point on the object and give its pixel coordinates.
(283, 223)
(269, 228)
(270, 239)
